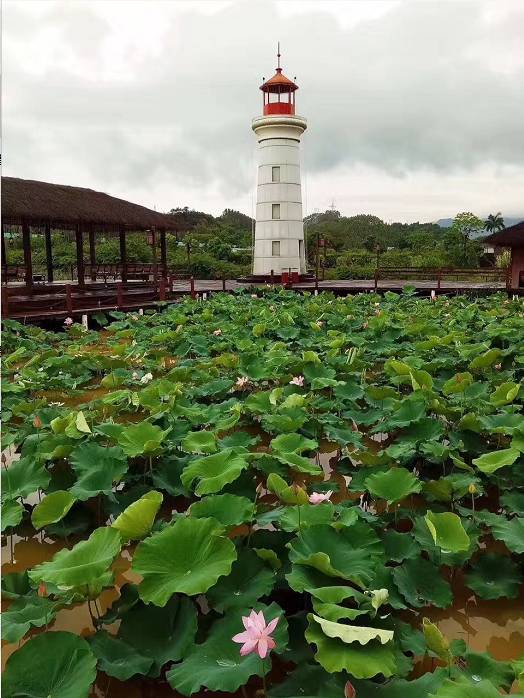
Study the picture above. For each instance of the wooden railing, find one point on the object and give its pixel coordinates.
(441, 275)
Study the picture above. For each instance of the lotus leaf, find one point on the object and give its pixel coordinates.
(51, 665)
(464, 688)
(214, 472)
(97, 468)
(84, 564)
(292, 443)
(200, 442)
(250, 579)
(420, 584)
(12, 512)
(360, 661)
(135, 522)
(160, 634)
(52, 508)
(351, 553)
(22, 478)
(494, 576)
(447, 531)
(393, 485)
(490, 462)
(353, 633)
(187, 557)
(139, 439)
(25, 612)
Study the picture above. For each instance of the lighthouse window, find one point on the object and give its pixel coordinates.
(275, 211)
(275, 174)
(275, 248)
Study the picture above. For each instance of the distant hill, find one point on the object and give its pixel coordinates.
(446, 222)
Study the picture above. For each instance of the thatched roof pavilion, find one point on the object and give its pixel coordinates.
(30, 203)
(37, 203)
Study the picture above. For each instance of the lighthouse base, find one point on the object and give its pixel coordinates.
(284, 278)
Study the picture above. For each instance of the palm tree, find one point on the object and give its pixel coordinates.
(494, 222)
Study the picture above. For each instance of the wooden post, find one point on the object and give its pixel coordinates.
(69, 299)
(272, 277)
(5, 302)
(376, 278)
(123, 254)
(4, 255)
(163, 253)
(119, 295)
(92, 253)
(192, 287)
(28, 262)
(49, 253)
(162, 289)
(223, 283)
(439, 279)
(80, 256)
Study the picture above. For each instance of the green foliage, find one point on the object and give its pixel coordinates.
(418, 406)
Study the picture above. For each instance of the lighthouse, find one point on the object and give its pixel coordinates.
(279, 229)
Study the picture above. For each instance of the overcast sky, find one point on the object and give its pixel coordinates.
(415, 108)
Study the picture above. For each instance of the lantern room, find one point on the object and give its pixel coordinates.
(279, 93)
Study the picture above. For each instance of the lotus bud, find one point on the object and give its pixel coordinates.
(472, 489)
(349, 690)
(37, 422)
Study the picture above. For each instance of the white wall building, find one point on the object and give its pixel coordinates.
(279, 230)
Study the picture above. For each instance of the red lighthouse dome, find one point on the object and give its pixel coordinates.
(279, 93)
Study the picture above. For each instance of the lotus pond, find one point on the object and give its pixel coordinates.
(350, 468)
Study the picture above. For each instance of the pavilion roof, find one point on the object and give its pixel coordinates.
(509, 237)
(38, 203)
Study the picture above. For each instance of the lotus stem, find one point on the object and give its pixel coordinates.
(299, 521)
(264, 687)
(243, 691)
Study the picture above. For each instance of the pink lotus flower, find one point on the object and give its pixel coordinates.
(68, 321)
(242, 381)
(498, 366)
(256, 637)
(318, 497)
(217, 332)
(297, 380)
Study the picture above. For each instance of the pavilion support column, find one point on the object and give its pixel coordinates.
(28, 262)
(123, 254)
(80, 256)
(48, 253)
(153, 251)
(163, 253)
(92, 253)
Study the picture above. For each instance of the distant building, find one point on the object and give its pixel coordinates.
(513, 238)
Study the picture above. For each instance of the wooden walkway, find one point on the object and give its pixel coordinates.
(60, 300)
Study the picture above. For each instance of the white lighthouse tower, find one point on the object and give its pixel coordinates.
(279, 230)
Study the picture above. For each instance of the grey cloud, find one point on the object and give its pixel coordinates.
(412, 89)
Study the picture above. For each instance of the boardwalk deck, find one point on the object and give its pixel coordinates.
(60, 300)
